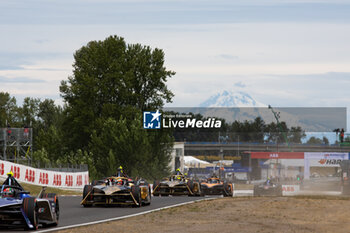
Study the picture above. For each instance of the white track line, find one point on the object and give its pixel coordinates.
(123, 217)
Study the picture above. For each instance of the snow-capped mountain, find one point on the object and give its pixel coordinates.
(237, 105)
(231, 99)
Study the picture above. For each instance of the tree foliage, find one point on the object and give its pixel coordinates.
(112, 83)
(256, 131)
(111, 79)
(314, 140)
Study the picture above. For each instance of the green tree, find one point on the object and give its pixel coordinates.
(295, 134)
(111, 78)
(274, 133)
(123, 142)
(112, 83)
(29, 111)
(8, 109)
(50, 114)
(314, 140)
(325, 140)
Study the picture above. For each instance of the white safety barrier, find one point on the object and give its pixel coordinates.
(30, 175)
(243, 193)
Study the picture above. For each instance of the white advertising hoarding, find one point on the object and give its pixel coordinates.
(30, 175)
(322, 159)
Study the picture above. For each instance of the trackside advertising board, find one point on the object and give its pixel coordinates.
(290, 190)
(30, 175)
(324, 159)
(277, 155)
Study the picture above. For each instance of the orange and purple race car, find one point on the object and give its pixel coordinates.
(215, 186)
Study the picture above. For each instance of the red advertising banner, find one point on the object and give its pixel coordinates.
(277, 155)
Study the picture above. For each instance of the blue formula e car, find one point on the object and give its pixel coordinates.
(20, 210)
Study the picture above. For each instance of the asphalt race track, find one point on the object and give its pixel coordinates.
(72, 213)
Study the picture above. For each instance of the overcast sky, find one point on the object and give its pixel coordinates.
(285, 53)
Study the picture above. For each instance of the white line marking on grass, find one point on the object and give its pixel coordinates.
(126, 216)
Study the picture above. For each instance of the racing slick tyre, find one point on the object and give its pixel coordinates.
(228, 191)
(194, 187)
(155, 185)
(136, 192)
(202, 191)
(149, 197)
(30, 208)
(86, 191)
(57, 207)
(190, 186)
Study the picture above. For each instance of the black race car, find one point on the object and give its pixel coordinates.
(176, 185)
(117, 191)
(268, 189)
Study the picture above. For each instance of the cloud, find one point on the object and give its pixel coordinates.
(309, 90)
(228, 57)
(28, 60)
(20, 80)
(170, 12)
(239, 84)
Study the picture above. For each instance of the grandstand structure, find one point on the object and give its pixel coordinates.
(16, 144)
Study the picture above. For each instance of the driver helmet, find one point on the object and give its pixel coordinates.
(8, 192)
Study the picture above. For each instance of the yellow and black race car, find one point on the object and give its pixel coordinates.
(215, 186)
(117, 191)
(176, 185)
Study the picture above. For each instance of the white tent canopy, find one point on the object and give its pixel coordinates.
(193, 160)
